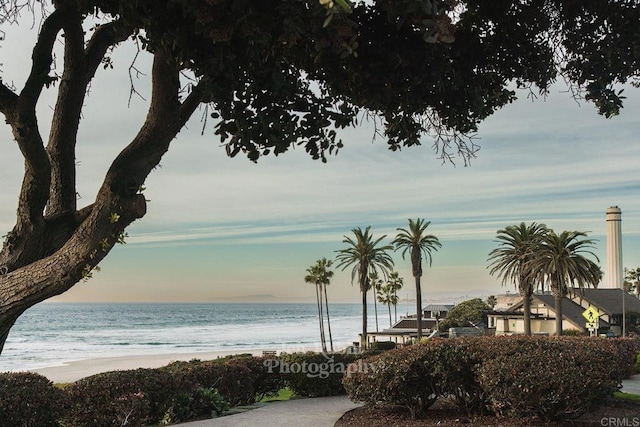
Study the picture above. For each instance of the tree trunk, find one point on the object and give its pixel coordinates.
(390, 321)
(326, 303)
(320, 321)
(375, 304)
(363, 337)
(558, 307)
(526, 307)
(47, 253)
(418, 308)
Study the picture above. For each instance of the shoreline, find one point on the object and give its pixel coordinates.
(74, 370)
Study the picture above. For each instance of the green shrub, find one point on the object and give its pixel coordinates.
(383, 345)
(201, 403)
(265, 383)
(313, 374)
(29, 399)
(234, 381)
(627, 355)
(456, 371)
(553, 379)
(403, 377)
(134, 398)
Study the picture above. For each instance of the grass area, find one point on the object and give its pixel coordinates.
(284, 394)
(627, 396)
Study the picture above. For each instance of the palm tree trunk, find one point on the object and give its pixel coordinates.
(419, 308)
(363, 337)
(395, 308)
(319, 301)
(526, 307)
(324, 336)
(390, 323)
(375, 304)
(558, 302)
(326, 303)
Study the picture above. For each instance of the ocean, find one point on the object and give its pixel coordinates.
(51, 334)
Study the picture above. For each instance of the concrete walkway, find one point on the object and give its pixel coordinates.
(631, 385)
(311, 412)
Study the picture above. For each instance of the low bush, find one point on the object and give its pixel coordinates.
(234, 381)
(266, 382)
(313, 374)
(404, 377)
(627, 359)
(199, 403)
(550, 378)
(134, 398)
(29, 399)
(383, 345)
(553, 379)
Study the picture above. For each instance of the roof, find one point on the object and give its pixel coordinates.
(609, 300)
(571, 310)
(410, 324)
(438, 307)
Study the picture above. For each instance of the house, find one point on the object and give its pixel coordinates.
(608, 302)
(406, 329)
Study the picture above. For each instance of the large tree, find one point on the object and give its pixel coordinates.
(274, 75)
(564, 260)
(366, 256)
(418, 243)
(512, 260)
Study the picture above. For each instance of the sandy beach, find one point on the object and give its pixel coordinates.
(75, 370)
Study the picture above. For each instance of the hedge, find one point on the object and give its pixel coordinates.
(29, 399)
(135, 398)
(553, 378)
(313, 374)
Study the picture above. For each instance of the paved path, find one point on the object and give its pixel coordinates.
(631, 385)
(313, 412)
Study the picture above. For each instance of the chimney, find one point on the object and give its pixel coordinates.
(614, 275)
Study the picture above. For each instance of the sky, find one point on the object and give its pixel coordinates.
(220, 229)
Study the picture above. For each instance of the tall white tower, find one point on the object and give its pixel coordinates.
(614, 275)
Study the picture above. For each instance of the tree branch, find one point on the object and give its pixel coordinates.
(66, 119)
(132, 166)
(8, 100)
(41, 59)
(104, 37)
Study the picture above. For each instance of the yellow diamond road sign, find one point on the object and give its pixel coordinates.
(591, 314)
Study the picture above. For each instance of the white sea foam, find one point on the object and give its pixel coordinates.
(52, 334)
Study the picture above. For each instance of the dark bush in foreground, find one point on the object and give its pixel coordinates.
(313, 374)
(550, 378)
(234, 381)
(134, 398)
(29, 399)
(195, 404)
(383, 345)
(404, 377)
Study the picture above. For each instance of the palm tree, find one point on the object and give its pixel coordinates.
(364, 254)
(512, 261)
(418, 244)
(561, 260)
(323, 266)
(395, 282)
(633, 277)
(386, 295)
(375, 283)
(317, 276)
